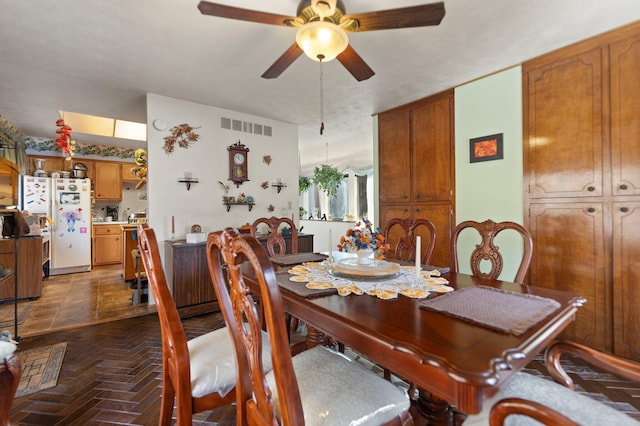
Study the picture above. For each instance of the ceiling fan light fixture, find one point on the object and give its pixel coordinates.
(322, 40)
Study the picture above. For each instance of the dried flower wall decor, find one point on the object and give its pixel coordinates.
(183, 135)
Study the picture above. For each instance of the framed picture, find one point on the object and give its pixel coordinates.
(486, 148)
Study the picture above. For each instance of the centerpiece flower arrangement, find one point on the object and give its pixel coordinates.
(364, 236)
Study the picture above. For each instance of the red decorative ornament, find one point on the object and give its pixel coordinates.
(64, 142)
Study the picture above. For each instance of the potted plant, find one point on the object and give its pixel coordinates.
(304, 182)
(328, 178)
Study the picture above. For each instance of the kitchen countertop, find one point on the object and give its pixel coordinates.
(111, 223)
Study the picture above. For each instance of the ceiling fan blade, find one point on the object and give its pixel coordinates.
(355, 64)
(283, 62)
(223, 11)
(404, 17)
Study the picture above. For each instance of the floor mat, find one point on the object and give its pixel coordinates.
(8, 315)
(40, 368)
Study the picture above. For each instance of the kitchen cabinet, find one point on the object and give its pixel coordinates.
(126, 172)
(108, 181)
(51, 164)
(29, 267)
(416, 166)
(582, 182)
(107, 244)
(91, 167)
(187, 273)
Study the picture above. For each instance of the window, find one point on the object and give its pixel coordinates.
(353, 201)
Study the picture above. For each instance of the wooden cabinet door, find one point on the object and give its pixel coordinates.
(569, 254)
(625, 116)
(626, 278)
(51, 164)
(91, 168)
(563, 127)
(394, 156)
(441, 216)
(431, 149)
(107, 249)
(108, 183)
(126, 172)
(191, 280)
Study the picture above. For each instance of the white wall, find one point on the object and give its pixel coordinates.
(492, 189)
(207, 159)
(320, 230)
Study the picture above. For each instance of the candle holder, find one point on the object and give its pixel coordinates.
(279, 186)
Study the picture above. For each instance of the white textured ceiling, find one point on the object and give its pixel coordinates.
(101, 57)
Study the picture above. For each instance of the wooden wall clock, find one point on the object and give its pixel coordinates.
(238, 163)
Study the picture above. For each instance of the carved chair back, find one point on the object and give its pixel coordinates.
(255, 404)
(488, 251)
(405, 248)
(276, 245)
(176, 361)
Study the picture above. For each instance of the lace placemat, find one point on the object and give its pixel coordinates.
(497, 309)
(319, 276)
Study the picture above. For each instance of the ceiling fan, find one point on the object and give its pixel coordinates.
(317, 16)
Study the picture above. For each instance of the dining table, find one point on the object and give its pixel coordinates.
(454, 361)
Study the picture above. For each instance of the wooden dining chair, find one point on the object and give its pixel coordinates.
(488, 251)
(198, 374)
(405, 247)
(276, 245)
(317, 386)
(556, 403)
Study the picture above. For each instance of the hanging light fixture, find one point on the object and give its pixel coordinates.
(322, 40)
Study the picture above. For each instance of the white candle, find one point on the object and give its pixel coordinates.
(418, 243)
(330, 247)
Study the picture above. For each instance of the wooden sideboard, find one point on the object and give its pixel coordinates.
(188, 276)
(188, 273)
(29, 267)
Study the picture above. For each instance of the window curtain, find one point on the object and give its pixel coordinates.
(363, 208)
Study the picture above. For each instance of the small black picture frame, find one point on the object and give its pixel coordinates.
(486, 148)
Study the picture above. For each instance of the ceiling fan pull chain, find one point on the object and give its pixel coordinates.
(321, 97)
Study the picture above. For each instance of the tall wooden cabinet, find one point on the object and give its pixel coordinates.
(416, 166)
(582, 182)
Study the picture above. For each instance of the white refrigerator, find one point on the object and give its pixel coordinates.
(68, 203)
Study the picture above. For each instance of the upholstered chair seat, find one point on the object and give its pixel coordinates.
(213, 362)
(337, 391)
(576, 406)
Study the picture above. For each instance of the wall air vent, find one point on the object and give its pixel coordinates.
(245, 126)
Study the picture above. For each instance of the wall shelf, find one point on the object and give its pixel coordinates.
(188, 182)
(279, 186)
(250, 205)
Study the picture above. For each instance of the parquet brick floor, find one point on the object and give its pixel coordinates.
(111, 374)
